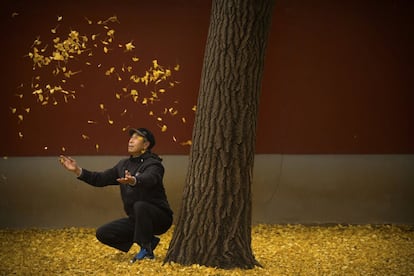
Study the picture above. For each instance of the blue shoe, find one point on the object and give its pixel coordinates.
(144, 253)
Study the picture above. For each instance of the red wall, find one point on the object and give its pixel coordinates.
(338, 77)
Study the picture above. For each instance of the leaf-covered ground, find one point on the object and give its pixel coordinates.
(282, 250)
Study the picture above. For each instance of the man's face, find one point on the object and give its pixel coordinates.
(137, 144)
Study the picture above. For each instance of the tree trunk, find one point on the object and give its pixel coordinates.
(214, 224)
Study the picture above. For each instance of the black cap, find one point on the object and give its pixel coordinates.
(144, 133)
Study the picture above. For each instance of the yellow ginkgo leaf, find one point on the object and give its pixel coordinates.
(110, 71)
(89, 21)
(57, 56)
(54, 30)
(186, 143)
(110, 33)
(129, 46)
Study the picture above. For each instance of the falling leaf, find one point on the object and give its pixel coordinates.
(91, 122)
(174, 139)
(105, 49)
(113, 18)
(85, 137)
(187, 143)
(89, 21)
(135, 59)
(164, 128)
(54, 30)
(135, 78)
(194, 108)
(134, 94)
(183, 120)
(129, 46)
(97, 147)
(172, 111)
(70, 73)
(13, 110)
(59, 18)
(20, 117)
(110, 71)
(111, 122)
(45, 148)
(20, 135)
(63, 149)
(124, 112)
(14, 14)
(110, 33)
(177, 67)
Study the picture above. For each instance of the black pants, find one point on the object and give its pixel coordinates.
(148, 220)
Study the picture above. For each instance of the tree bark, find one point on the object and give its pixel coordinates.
(214, 224)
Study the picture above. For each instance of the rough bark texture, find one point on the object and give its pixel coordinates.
(214, 224)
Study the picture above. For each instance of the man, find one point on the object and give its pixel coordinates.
(140, 178)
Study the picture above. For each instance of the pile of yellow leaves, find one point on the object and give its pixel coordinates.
(281, 249)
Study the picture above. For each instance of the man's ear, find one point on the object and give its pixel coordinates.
(147, 144)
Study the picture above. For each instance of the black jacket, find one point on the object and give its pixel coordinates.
(149, 173)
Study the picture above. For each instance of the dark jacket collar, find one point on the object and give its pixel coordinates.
(146, 155)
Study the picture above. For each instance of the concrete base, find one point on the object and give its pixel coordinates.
(306, 189)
